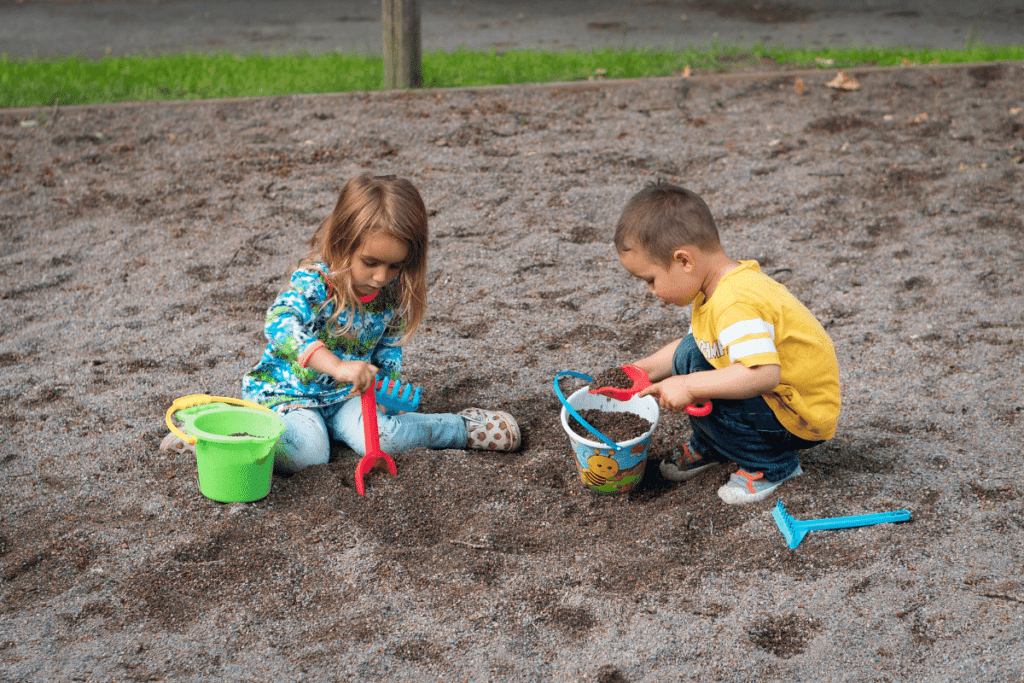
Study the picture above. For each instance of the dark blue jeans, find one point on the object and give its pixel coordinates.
(745, 431)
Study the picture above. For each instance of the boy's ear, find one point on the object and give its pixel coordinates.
(685, 257)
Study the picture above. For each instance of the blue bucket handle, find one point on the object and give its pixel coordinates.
(572, 411)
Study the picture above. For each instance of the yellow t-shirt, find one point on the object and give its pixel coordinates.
(754, 320)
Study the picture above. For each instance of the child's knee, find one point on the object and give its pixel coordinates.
(290, 461)
(303, 444)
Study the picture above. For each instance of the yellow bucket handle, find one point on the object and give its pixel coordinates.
(200, 399)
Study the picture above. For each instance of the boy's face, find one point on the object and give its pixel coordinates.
(677, 284)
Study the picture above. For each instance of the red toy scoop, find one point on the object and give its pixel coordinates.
(640, 382)
(374, 457)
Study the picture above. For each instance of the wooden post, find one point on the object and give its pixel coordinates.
(403, 65)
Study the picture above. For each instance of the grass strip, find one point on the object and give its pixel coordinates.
(32, 82)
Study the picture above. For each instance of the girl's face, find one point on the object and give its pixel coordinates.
(377, 262)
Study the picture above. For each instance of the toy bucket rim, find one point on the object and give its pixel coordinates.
(579, 418)
(623, 445)
(567, 407)
(201, 403)
(189, 423)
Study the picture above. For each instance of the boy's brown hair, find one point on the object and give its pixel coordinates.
(663, 217)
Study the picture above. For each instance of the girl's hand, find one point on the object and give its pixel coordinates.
(359, 374)
(673, 393)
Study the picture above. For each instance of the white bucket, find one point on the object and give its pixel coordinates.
(602, 468)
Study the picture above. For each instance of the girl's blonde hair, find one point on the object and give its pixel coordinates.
(370, 205)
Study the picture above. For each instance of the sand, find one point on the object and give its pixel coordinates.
(141, 244)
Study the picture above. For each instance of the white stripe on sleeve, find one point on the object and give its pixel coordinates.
(751, 347)
(745, 327)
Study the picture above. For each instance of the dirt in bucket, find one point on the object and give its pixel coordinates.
(617, 426)
(614, 378)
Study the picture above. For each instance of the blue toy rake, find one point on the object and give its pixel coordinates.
(396, 396)
(794, 530)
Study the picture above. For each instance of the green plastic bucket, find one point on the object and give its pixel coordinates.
(234, 450)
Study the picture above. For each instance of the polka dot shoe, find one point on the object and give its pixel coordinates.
(491, 430)
(173, 443)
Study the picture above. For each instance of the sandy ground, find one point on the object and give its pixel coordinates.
(140, 246)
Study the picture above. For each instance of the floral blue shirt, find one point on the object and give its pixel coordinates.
(297, 326)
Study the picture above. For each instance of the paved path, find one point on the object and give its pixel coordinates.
(47, 28)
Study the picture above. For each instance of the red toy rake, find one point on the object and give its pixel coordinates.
(374, 457)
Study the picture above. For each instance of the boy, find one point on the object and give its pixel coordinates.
(759, 355)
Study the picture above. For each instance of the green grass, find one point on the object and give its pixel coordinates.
(36, 82)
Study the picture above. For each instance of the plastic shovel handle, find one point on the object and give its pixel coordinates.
(374, 455)
(855, 520)
(699, 410)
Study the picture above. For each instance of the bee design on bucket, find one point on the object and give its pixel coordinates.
(600, 468)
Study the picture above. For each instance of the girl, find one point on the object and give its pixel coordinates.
(358, 294)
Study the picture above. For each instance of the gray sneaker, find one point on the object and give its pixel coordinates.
(746, 487)
(683, 466)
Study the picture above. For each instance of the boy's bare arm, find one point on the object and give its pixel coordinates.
(658, 365)
(736, 381)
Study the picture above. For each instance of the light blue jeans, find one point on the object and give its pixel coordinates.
(308, 432)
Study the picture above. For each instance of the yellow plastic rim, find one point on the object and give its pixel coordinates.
(200, 399)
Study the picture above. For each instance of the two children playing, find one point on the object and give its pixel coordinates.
(361, 291)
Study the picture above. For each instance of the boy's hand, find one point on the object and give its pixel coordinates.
(359, 374)
(673, 393)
